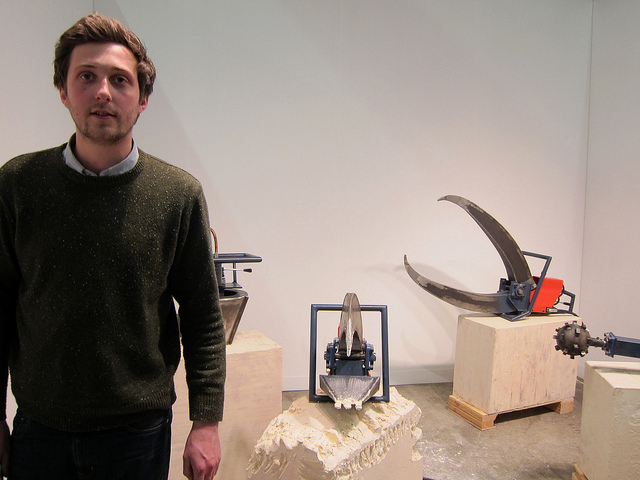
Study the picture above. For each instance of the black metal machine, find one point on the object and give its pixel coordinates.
(233, 299)
(349, 358)
(574, 340)
(520, 294)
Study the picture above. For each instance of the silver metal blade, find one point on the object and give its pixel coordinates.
(351, 334)
(349, 390)
(509, 251)
(477, 302)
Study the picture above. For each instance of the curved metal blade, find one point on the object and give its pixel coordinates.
(348, 390)
(477, 302)
(509, 251)
(350, 325)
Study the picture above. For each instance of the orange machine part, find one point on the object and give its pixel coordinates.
(550, 292)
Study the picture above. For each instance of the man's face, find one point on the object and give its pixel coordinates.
(102, 92)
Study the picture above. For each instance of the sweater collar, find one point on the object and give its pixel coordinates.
(118, 169)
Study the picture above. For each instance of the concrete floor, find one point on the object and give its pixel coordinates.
(531, 444)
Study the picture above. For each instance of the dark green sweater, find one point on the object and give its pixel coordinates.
(89, 269)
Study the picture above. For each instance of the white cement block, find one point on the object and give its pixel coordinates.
(502, 366)
(253, 397)
(610, 431)
(316, 441)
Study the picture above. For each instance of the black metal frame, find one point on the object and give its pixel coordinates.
(523, 299)
(220, 259)
(625, 346)
(384, 326)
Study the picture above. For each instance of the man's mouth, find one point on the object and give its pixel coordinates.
(102, 113)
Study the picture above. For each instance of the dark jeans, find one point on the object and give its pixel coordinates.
(140, 450)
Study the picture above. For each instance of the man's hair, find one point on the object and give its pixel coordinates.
(100, 29)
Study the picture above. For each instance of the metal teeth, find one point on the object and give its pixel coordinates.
(349, 390)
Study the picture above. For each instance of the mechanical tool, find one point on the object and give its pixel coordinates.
(349, 358)
(233, 299)
(574, 340)
(520, 294)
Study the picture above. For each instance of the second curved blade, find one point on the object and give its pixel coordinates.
(509, 251)
(477, 302)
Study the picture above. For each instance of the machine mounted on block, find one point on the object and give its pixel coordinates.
(233, 299)
(520, 294)
(349, 358)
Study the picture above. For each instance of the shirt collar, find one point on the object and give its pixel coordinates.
(118, 169)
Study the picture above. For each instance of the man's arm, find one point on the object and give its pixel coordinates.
(4, 428)
(6, 333)
(203, 340)
(4, 448)
(4, 386)
(202, 451)
(8, 298)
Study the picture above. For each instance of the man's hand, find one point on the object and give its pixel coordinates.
(202, 451)
(4, 447)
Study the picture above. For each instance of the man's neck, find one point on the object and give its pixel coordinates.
(96, 158)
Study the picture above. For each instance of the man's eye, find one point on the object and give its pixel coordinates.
(121, 80)
(86, 76)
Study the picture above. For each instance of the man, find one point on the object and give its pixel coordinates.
(97, 239)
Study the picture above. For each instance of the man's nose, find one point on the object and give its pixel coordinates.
(103, 93)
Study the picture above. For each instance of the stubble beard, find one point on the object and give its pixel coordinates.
(105, 135)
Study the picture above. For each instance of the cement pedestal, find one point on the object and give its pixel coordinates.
(610, 430)
(253, 397)
(316, 441)
(502, 366)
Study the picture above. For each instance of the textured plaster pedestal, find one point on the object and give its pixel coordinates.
(253, 397)
(502, 366)
(610, 431)
(316, 441)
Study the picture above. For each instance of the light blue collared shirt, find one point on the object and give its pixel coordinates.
(118, 169)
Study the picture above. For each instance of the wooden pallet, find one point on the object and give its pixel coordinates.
(578, 474)
(485, 421)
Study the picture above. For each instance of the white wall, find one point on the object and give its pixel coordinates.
(324, 132)
(30, 113)
(612, 227)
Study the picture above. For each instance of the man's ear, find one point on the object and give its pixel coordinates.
(144, 102)
(63, 97)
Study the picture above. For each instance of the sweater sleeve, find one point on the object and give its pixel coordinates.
(7, 327)
(193, 285)
(8, 294)
(4, 359)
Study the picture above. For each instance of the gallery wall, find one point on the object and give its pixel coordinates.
(324, 133)
(612, 226)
